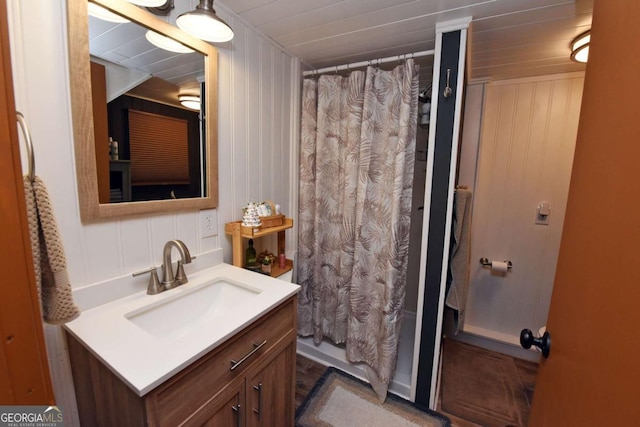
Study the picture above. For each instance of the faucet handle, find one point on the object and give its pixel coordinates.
(181, 276)
(154, 286)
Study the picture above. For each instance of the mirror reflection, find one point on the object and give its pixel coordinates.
(148, 145)
(127, 49)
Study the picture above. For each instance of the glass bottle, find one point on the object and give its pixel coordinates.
(266, 266)
(250, 254)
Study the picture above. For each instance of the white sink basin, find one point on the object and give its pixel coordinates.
(147, 339)
(176, 315)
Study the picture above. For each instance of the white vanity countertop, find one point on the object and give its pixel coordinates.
(143, 360)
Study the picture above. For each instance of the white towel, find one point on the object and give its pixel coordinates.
(49, 261)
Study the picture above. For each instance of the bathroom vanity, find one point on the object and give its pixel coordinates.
(230, 364)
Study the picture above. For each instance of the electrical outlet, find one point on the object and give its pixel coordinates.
(208, 223)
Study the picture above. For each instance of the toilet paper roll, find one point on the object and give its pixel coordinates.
(499, 266)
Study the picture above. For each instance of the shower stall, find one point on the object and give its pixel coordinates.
(415, 371)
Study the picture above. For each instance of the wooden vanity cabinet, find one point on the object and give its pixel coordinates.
(260, 391)
(268, 394)
(227, 410)
(263, 399)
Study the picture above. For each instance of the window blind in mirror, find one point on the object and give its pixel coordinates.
(158, 148)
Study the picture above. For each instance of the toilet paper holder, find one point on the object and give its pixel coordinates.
(487, 263)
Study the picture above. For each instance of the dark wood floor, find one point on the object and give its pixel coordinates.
(309, 372)
(527, 372)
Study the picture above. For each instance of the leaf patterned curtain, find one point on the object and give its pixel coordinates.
(356, 172)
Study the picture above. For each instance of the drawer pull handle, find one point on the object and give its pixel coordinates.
(236, 409)
(258, 388)
(256, 346)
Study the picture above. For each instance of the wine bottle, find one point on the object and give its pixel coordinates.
(250, 254)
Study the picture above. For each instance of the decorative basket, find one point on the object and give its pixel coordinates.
(271, 220)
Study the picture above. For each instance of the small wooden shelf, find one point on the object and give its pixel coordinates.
(276, 271)
(238, 232)
(253, 233)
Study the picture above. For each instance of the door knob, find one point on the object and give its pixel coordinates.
(543, 343)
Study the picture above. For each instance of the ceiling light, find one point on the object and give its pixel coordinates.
(204, 24)
(190, 101)
(100, 12)
(580, 47)
(148, 3)
(166, 43)
(162, 10)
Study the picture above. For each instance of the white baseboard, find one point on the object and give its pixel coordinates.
(495, 341)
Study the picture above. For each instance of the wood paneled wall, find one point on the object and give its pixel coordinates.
(258, 90)
(100, 128)
(526, 150)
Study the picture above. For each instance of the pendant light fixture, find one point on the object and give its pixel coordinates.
(166, 43)
(100, 12)
(163, 10)
(148, 3)
(204, 24)
(580, 47)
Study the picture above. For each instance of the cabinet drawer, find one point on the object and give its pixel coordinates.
(190, 390)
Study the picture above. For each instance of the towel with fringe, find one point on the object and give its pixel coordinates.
(460, 254)
(49, 261)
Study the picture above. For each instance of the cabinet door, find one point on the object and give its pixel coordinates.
(228, 410)
(271, 392)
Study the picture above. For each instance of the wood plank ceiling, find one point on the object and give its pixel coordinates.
(508, 38)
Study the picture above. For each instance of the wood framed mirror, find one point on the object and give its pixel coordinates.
(93, 207)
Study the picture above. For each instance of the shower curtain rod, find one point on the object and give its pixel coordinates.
(337, 68)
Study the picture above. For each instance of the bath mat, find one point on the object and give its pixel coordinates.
(340, 400)
(482, 386)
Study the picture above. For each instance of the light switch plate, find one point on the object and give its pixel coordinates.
(543, 212)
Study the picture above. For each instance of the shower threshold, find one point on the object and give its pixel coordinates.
(330, 354)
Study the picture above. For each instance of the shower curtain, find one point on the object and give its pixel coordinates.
(356, 173)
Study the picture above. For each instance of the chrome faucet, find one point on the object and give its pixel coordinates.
(169, 280)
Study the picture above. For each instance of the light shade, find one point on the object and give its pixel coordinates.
(104, 14)
(190, 101)
(148, 3)
(166, 43)
(580, 47)
(204, 24)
